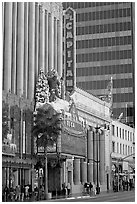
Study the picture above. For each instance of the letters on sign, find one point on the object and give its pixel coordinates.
(70, 76)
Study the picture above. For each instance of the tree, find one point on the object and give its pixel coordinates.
(5, 119)
(47, 127)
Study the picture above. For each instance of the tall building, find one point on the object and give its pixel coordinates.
(32, 39)
(105, 49)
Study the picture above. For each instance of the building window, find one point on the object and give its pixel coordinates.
(120, 132)
(117, 148)
(117, 131)
(126, 150)
(113, 130)
(123, 149)
(131, 136)
(120, 149)
(113, 146)
(128, 135)
(123, 134)
(131, 150)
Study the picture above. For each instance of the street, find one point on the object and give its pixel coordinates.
(125, 196)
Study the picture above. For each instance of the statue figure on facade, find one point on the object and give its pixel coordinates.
(42, 88)
(54, 85)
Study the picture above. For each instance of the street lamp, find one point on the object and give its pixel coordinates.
(97, 130)
(98, 135)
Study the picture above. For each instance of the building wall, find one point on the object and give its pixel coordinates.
(95, 112)
(32, 39)
(105, 48)
(125, 136)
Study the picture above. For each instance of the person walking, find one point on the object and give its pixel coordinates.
(17, 193)
(68, 188)
(94, 189)
(90, 188)
(22, 193)
(27, 191)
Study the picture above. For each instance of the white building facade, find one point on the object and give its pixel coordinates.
(122, 150)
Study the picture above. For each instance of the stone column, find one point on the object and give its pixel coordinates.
(14, 46)
(4, 176)
(94, 157)
(20, 47)
(90, 155)
(51, 42)
(102, 158)
(26, 27)
(36, 40)
(7, 52)
(31, 50)
(3, 20)
(8, 179)
(83, 171)
(46, 41)
(42, 39)
(59, 143)
(76, 171)
(59, 47)
(55, 44)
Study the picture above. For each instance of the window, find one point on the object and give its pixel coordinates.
(128, 151)
(131, 150)
(123, 133)
(117, 131)
(131, 136)
(117, 148)
(113, 146)
(120, 132)
(128, 135)
(120, 149)
(113, 130)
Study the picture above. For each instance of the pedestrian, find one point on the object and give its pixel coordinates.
(130, 184)
(30, 191)
(27, 191)
(85, 187)
(127, 184)
(90, 188)
(94, 189)
(6, 193)
(64, 189)
(68, 188)
(22, 193)
(17, 193)
(12, 193)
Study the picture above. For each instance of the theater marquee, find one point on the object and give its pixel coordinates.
(70, 49)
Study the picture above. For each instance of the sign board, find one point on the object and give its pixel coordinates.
(125, 165)
(70, 49)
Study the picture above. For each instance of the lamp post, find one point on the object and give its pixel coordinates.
(98, 135)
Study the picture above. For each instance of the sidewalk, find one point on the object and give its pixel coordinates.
(76, 196)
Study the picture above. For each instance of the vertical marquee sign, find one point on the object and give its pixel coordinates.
(70, 49)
